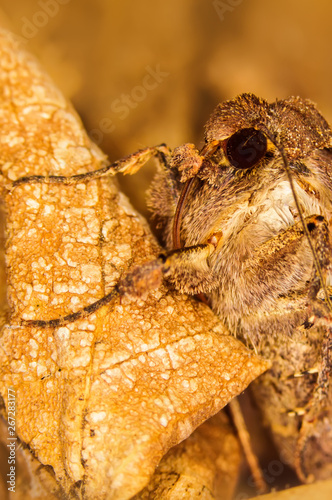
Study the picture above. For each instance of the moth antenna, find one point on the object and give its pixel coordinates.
(70, 318)
(305, 228)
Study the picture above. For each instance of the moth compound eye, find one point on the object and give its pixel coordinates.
(246, 148)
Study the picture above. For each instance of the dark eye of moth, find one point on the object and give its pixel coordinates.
(246, 148)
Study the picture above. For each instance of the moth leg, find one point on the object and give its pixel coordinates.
(316, 431)
(141, 279)
(282, 255)
(128, 165)
(244, 437)
(316, 428)
(273, 265)
(320, 234)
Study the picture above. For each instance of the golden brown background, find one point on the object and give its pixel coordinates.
(99, 51)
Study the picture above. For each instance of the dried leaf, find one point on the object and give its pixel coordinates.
(321, 490)
(100, 400)
(32, 481)
(204, 466)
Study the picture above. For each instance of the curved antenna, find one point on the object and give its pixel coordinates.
(305, 228)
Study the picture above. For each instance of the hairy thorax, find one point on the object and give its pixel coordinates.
(246, 220)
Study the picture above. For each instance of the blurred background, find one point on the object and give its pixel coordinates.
(142, 73)
(147, 72)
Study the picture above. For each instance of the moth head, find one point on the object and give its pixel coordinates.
(250, 144)
(293, 123)
(247, 133)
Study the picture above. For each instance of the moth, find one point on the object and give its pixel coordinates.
(246, 225)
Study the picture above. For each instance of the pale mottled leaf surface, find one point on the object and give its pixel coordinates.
(32, 482)
(100, 400)
(204, 466)
(320, 489)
